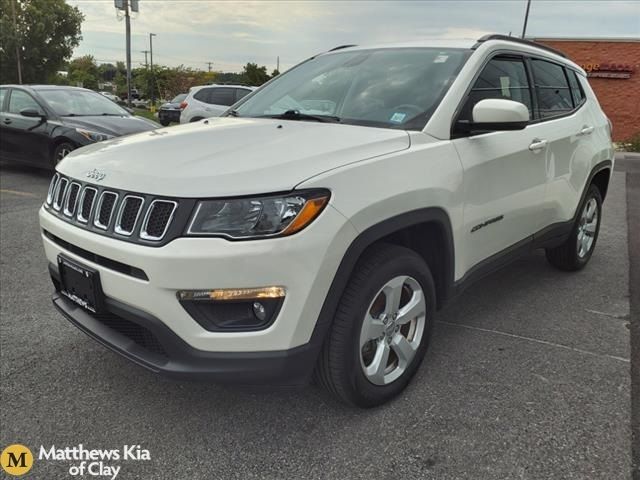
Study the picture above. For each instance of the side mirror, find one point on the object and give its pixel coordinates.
(32, 113)
(499, 114)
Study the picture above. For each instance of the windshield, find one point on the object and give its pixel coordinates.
(391, 88)
(179, 98)
(80, 103)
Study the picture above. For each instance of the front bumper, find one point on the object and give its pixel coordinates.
(304, 264)
(148, 342)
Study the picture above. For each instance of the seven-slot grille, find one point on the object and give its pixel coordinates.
(110, 210)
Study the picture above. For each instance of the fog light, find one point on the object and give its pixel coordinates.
(259, 311)
(241, 309)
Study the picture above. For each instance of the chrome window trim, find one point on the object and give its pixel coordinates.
(96, 215)
(52, 187)
(79, 216)
(117, 229)
(57, 206)
(66, 209)
(143, 230)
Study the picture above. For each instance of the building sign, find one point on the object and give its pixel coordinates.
(608, 70)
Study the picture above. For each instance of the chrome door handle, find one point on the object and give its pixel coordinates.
(586, 130)
(537, 144)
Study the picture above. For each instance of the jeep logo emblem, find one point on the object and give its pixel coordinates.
(95, 174)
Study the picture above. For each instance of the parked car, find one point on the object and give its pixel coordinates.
(319, 225)
(211, 101)
(170, 111)
(110, 96)
(135, 95)
(41, 124)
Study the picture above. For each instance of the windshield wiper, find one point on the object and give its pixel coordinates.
(297, 115)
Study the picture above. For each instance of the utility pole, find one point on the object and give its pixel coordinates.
(209, 63)
(15, 31)
(127, 21)
(526, 19)
(153, 79)
(278, 63)
(146, 63)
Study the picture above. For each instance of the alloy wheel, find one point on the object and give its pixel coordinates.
(587, 228)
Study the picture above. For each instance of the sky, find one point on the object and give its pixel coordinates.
(231, 33)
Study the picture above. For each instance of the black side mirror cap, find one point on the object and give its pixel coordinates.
(32, 113)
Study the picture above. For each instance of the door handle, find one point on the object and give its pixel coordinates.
(7, 121)
(586, 130)
(537, 144)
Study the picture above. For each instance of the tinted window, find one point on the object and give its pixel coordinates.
(390, 88)
(2, 92)
(202, 95)
(576, 89)
(222, 96)
(502, 78)
(20, 100)
(554, 95)
(241, 92)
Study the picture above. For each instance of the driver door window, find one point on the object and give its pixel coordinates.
(20, 100)
(502, 77)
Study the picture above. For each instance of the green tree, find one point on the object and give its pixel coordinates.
(46, 33)
(83, 71)
(275, 73)
(255, 75)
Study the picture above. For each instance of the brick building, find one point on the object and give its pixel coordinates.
(613, 68)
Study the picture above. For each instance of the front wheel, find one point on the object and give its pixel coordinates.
(575, 253)
(381, 329)
(62, 150)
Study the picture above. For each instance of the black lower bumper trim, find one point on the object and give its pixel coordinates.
(173, 357)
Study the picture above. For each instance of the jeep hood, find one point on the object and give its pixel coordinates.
(229, 156)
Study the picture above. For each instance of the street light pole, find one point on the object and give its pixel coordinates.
(153, 79)
(526, 19)
(127, 22)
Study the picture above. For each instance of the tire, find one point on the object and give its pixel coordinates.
(195, 119)
(575, 253)
(165, 123)
(60, 151)
(345, 358)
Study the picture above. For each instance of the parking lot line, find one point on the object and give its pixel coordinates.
(529, 339)
(18, 193)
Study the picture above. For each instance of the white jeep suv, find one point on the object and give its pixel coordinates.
(211, 101)
(318, 227)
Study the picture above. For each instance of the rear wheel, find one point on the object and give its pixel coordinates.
(575, 253)
(62, 150)
(381, 329)
(164, 123)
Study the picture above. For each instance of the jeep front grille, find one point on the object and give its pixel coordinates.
(128, 216)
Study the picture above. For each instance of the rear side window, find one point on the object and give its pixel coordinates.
(242, 92)
(2, 95)
(552, 89)
(222, 96)
(576, 89)
(502, 77)
(202, 95)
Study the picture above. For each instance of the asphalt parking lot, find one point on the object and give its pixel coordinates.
(527, 377)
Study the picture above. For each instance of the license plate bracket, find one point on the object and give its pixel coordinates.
(81, 284)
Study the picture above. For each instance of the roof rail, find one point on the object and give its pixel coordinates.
(341, 47)
(496, 36)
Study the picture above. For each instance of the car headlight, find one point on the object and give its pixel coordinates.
(269, 216)
(93, 136)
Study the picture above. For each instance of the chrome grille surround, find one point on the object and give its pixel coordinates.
(52, 188)
(118, 228)
(103, 208)
(58, 197)
(71, 203)
(82, 218)
(144, 234)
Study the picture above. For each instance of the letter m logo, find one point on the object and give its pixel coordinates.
(19, 461)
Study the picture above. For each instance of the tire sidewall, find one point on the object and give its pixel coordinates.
(369, 393)
(54, 159)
